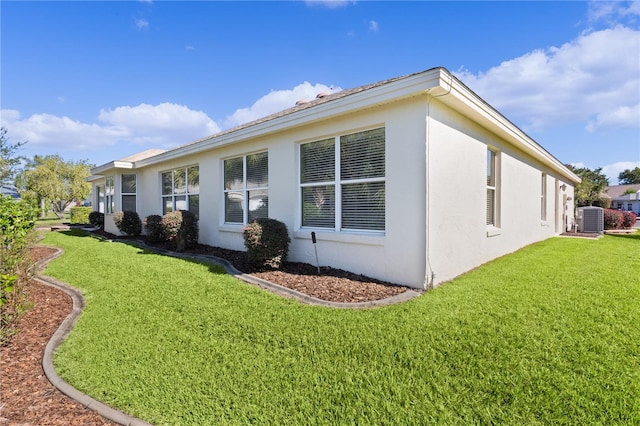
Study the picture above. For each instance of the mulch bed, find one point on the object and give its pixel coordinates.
(28, 398)
(581, 234)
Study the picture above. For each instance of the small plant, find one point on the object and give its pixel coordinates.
(181, 229)
(96, 219)
(154, 229)
(613, 219)
(79, 214)
(628, 219)
(267, 242)
(128, 222)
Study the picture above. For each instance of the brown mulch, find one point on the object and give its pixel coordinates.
(28, 398)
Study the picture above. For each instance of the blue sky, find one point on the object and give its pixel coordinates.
(103, 80)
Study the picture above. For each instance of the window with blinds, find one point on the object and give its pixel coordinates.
(109, 192)
(128, 192)
(246, 188)
(492, 188)
(181, 190)
(543, 197)
(342, 182)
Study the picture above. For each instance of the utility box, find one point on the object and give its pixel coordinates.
(590, 219)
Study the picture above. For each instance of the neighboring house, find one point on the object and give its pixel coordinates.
(413, 180)
(10, 190)
(624, 197)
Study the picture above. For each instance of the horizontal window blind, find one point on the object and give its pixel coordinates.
(317, 161)
(363, 206)
(319, 206)
(362, 155)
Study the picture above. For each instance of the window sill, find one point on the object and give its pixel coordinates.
(342, 237)
(492, 231)
(229, 227)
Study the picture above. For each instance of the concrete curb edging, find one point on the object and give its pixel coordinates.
(56, 340)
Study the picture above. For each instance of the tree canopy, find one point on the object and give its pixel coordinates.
(590, 191)
(9, 161)
(629, 177)
(57, 181)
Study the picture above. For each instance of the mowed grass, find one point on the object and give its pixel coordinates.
(547, 335)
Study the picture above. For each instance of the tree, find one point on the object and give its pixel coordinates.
(9, 162)
(590, 190)
(629, 177)
(56, 181)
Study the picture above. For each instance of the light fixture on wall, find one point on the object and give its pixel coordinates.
(563, 186)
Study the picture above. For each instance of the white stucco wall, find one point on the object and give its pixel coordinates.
(430, 149)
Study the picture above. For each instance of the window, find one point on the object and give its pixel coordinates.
(181, 190)
(100, 198)
(246, 188)
(629, 206)
(492, 188)
(128, 193)
(109, 191)
(619, 206)
(543, 198)
(342, 182)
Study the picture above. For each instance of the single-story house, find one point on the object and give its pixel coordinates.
(10, 191)
(413, 180)
(624, 197)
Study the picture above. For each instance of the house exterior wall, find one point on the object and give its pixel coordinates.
(435, 193)
(458, 237)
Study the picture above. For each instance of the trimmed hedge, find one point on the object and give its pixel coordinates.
(613, 219)
(267, 242)
(79, 215)
(154, 229)
(181, 229)
(628, 219)
(96, 219)
(128, 222)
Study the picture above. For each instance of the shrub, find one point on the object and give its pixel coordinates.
(128, 222)
(79, 214)
(267, 242)
(153, 228)
(17, 220)
(181, 229)
(628, 219)
(96, 219)
(613, 219)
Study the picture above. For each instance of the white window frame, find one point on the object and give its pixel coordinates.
(109, 194)
(493, 187)
(245, 190)
(173, 195)
(338, 183)
(128, 194)
(543, 198)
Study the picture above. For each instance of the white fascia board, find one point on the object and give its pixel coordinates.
(403, 88)
(470, 104)
(94, 178)
(101, 170)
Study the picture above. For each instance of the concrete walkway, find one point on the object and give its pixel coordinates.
(78, 305)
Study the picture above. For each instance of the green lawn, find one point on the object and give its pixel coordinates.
(547, 335)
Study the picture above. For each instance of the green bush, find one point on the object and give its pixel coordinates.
(96, 219)
(79, 214)
(267, 242)
(153, 228)
(181, 229)
(17, 220)
(128, 222)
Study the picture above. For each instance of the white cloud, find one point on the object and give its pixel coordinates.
(142, 24)
(373, 26)
(146, 126)
(189, 48)
(277, 100)
(594, 79)
(613, 170)
(613, 11)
